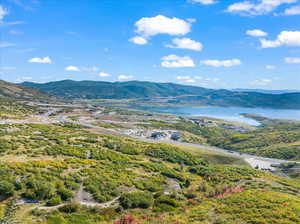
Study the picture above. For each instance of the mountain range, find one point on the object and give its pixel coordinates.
(172, 93)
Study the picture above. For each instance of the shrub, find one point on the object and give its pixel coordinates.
(6, 189)
(165, 203)
(54, 201)
(70, 208)
(65, 194)
(136, 199)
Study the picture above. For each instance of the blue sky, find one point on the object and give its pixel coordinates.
(210, 43)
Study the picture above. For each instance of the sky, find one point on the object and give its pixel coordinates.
(210, 43)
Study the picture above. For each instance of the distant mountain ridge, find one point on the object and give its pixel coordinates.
(177, 94)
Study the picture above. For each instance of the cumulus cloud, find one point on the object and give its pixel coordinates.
(292, 60)
(147, 27)
(205, 2)
(139, 40)
(271, 67)
(259, 7)
(295, 10)
(174, 61)
(72, 68)
(125, 77)
(261, 82)
(151, 26)
(3, 12)
(219, 63)
(285, 38)
(186, 43)
(45, 60)
(256, 33)
(103, 74)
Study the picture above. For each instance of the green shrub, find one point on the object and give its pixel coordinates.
(54, 201)
(65, 194)
(165, 203)
(136, 199)
(70, 208)
(6, 189)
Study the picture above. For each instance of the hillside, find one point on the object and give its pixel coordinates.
(275, 138)
(11, 91)
(114, 90)
(172, 93)
(50, 173)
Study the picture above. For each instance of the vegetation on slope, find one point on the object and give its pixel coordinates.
(276, 139)
(11, 91)
(156, 183)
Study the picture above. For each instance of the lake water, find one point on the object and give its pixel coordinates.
(228, 113)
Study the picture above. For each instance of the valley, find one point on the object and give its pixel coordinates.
(87, 162)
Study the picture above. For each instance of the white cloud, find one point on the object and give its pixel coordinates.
(139, 40)
(240, 7)
(271, 67)
(259, 7)
(269, 43)
(103, 74)
(295, 10)
(285, 38)
(6, 44)
(125, 77)
(186, 43)
(292, 60)
(190, 80)
(261, 82)
(256, 33)
(72, 68)
(205, 2)
(3, 12)
(183, 77)
(45, 60)
(174, 61)
(151, 26)
(224, 63)
(197, 79)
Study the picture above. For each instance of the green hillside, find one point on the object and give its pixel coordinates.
(52, 165)
(11, 91)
